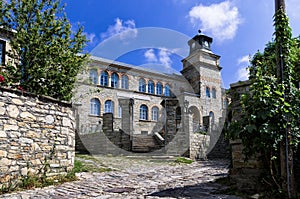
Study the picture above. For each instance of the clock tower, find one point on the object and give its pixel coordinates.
(199, 42)
(202, 70)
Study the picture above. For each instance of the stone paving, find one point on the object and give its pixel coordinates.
(140, 178)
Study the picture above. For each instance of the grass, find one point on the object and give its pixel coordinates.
(183, 160)
(82, 163)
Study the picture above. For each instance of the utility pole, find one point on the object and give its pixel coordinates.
(286, 153)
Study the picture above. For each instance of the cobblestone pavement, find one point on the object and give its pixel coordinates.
(140, 178)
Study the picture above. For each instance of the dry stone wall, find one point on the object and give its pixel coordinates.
(35, 133)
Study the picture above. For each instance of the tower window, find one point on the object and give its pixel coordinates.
(213, 93)
(143, 112)
(104, 78)
(208, 92)
(95, 107)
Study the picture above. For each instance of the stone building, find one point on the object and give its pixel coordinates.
(170, 112)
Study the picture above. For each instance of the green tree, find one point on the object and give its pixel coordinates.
(272, 106)
(47, 53)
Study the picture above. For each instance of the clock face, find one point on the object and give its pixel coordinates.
(205, 43)
(193, 45)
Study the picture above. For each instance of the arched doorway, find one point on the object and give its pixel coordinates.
(195, 115)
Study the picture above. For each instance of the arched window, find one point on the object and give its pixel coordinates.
(208, 92)
(95, 107)
(109, 106)
(125, 82)
(143, 112)
(104, 78)
(213, 93)
(150, 87)
(142, 85)
(114, 80)
(154, 114)
(158, 88)
(212, 117)
(94, 76)
(167, 90)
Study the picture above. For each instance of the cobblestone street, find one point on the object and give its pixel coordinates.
(140, 177)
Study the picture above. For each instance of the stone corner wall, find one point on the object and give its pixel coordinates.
(34, 132)
(244, 174)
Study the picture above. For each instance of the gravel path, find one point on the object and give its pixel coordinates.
(140, 177)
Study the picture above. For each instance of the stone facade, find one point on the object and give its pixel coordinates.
(244, 174)
(102, 87)
(34, 132)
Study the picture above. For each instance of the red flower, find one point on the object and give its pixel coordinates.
(20, 88)
(2, 79)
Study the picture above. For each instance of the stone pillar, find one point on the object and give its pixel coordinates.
(127, 115)
(170, 106)
(108, 123)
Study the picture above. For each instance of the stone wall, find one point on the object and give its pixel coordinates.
(245, 175)
(34, 132)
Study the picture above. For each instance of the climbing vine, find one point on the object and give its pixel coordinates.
(273, 102)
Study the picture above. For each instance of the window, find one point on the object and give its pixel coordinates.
(208, 92)
(114, 80)
(142, 85)
(167, 90)
(212, 117)
(94, 76)
(154, 113)
(104, 78)
(95, 107)
(125, 82)
(119, 111)
(158, 88)
(109, 106)
(151, 87)
(143, 112)
(213, 93)
(2, 52)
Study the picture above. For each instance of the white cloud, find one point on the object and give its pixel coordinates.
(244, 59)
(150, 56)
(125, 30)
(90, 36)
(221, 20)
(243, 72)
(162, 57)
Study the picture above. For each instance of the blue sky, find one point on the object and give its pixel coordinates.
(154, 33)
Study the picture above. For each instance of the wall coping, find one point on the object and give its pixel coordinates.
(39, 97)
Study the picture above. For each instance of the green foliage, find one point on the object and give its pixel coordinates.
(273, 102)
(45, 47)
(183, 160)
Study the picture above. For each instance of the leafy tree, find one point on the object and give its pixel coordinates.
(45, 47)
(272, 106)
